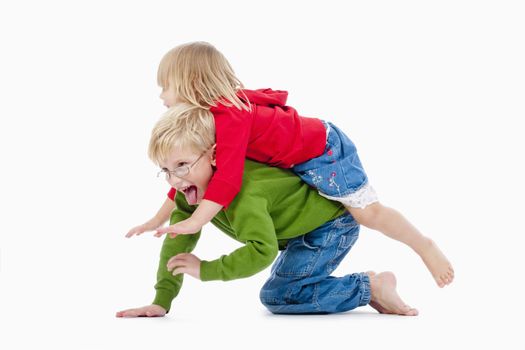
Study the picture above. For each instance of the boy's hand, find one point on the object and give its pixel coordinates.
(185, 227)
(185, 263)
(145, 311)
(138, 230)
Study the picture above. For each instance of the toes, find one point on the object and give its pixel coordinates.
(412, 312)
(447, 278)
(404, 309)
(408, 311)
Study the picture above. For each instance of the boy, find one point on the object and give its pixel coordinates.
(274, 210)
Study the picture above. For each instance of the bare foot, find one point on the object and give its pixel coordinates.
(145, 311)
(384, 295)
(437, 263)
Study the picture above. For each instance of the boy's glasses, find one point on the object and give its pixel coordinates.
(180, 171)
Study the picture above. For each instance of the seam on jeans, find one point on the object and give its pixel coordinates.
(271, 301)
(341, 221)
(315, 297)
(364, 289)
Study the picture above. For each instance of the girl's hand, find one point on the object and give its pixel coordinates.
(185, 227)
(185, 263)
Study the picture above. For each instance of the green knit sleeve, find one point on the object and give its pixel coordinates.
(168, 286)
(253, 225)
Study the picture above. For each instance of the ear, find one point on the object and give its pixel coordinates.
(213, 159)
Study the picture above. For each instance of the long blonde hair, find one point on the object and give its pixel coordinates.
(201, 75)
(183, 126)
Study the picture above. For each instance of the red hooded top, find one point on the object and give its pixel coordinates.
(271, 133)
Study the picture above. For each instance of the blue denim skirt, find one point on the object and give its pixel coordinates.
(338, 173)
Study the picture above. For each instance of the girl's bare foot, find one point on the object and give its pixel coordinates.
(145, 311)
(437, 263)
(384, 295)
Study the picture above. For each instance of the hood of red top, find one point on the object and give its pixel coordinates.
(265, 97)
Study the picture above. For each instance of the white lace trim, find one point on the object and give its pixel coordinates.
(366, 195)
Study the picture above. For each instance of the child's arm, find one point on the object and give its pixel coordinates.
(158, 220)
(232, 133)
(201, 216)
(251, 224)
(169, 285)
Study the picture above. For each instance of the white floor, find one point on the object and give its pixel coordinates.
(41, 308)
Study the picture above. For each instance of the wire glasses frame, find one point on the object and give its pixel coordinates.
(180, 171)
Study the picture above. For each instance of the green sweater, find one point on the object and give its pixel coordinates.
(273, 206)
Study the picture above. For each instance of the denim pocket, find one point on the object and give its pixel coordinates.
(346, 240)
(298, 260)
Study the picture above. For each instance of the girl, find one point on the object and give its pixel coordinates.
(258, 124)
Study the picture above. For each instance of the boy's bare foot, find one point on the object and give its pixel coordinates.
(437, 263)
(384, 295)
(145, 311)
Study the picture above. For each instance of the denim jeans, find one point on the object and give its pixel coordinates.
(300, 281)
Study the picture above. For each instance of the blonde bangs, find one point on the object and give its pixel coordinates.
(183, 126)
(165, 71)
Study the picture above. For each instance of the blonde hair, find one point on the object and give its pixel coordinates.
(183, 126)
(201, 75)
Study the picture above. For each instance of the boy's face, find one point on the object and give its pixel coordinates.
(194, 184)
(169, 96)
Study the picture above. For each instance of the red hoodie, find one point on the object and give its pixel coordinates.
(271, 133)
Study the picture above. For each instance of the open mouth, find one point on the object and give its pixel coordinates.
(190, 193)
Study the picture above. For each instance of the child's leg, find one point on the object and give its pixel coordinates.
(394, 225)
(339, 175)
(300, 282)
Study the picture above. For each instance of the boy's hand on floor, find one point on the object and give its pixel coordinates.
(185, 263)
(145, 311)
(185, 227)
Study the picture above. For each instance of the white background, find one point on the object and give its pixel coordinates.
(432, 93)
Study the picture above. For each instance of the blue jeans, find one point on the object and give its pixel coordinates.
(300, 281)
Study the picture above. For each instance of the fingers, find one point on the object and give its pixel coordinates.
(180, 270)
(163, 230)
(131, 232)
(132, 312)
(160, 234)
(178, 263)
(175, 229)
(145, 311)
(136, 231)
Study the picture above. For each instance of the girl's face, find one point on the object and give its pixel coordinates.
(169, 96)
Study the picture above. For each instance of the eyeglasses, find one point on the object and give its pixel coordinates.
(180, 171)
